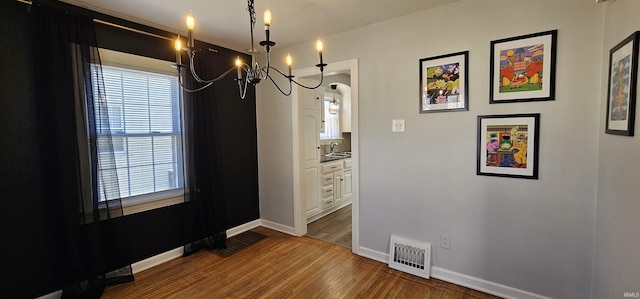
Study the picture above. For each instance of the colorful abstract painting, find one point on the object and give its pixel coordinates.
(506, 146)
(521, 69)
(620, 79)
(443, 84)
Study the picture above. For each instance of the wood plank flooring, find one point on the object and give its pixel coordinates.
(283, 266)
(334, 228)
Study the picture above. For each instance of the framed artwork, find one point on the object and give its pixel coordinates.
(621, 94)
(443, 83)
(523, 68)
(508, 145)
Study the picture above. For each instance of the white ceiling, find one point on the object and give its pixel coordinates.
(226, 22)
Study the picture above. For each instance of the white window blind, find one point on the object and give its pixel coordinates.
(144, 121)
(331, 123)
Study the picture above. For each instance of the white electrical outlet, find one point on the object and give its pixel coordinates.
(397, 125)
(445, 241)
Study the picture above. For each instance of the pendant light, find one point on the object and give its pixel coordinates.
(335, 106)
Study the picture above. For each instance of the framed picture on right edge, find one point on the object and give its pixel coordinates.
(621, 94)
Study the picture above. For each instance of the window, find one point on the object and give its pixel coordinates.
(144, 121)
(331, 122)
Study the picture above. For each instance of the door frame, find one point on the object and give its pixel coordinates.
(299, 205)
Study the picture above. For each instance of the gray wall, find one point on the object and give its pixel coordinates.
(275, 162)
(533, 235)
(617, 258)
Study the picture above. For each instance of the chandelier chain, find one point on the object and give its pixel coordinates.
(252, 12)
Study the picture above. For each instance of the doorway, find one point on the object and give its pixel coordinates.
(333, 228)
(300, 209)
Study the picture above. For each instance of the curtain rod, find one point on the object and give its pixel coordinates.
(129, 29)
(28, 2)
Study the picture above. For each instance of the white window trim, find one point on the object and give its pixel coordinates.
(150, 201)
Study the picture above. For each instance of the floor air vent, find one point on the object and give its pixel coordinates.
(410, 256)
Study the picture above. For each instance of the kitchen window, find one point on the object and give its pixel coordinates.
(331, 122)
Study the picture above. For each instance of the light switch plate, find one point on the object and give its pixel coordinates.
(397, 125)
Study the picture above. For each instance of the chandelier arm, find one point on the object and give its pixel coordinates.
(280, 72)
(280, 89)
(195, 76)
(192, 90)
(310, 87)
(242, 91)
(208, 83)
(266, 68)
(296, 82)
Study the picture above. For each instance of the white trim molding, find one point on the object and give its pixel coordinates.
(242, 228)
(279, 227)
(482, 285)
(460, 279)
(156, 260)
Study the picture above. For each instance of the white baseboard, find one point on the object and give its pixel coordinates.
(156, 260)
(278, 227)
(54, 295)
(482, 285)
(471, 282)
(242, 228)
(373, 254)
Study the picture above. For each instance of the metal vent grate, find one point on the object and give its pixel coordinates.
(410, 256)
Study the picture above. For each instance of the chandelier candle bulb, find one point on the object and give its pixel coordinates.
(267, 23)
(191, 22)
(319, 48)
(267, 18)
(289, 62)
(238, 66)
(178, 48)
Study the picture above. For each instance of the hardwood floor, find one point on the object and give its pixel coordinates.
(334, 228)
(283, 266)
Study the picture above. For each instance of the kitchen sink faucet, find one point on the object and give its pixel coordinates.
(332, 145)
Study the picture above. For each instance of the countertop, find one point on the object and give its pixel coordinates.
(337, 156)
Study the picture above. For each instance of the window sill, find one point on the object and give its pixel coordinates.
(329, 140)
(148, 202)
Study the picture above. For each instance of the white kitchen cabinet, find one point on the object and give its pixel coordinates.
(311, 193)
(320, 102)
(329, 167)
(347, 181)
(332, 177)
(338, 182)
(310, 138)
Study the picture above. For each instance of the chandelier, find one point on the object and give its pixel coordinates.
(247, 73)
